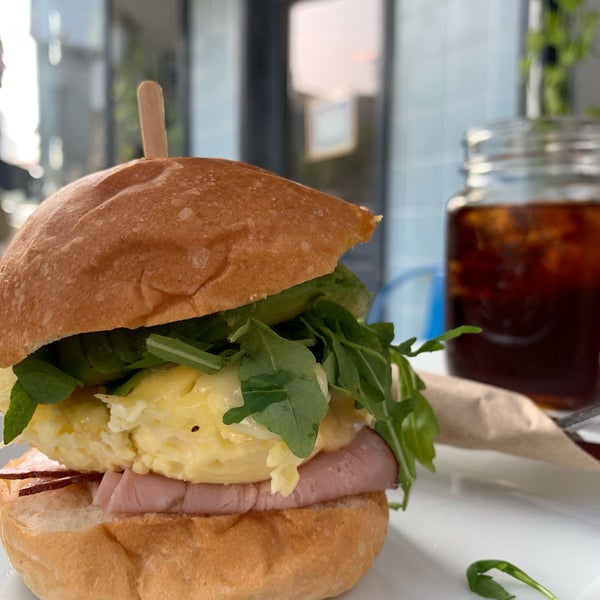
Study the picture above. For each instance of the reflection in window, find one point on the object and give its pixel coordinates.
(147, 43)
(335, 101)
(91, 57)
(335, 85)
(72, 79)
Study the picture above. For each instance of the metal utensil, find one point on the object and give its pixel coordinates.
(578, 419)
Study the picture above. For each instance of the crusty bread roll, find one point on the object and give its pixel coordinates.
(160, 240)
(150, 242)
(67, 549)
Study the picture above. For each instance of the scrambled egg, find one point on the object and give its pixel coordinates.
(172, 423)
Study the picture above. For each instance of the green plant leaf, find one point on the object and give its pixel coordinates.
(280, 388)
(569, 5)
(358, 361)
(43, 382)
(568, 30)
(486, 587)
(183, 353)
(436, 343)
(420, 427)
(535, 42)
(19, 413)
(38, 382)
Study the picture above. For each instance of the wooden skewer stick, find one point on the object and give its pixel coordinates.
(152, 119)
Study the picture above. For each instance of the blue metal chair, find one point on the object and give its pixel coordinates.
(434, 314)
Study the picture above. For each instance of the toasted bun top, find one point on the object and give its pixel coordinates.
(160, 240)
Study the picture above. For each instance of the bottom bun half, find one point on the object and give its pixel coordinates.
(65, 548)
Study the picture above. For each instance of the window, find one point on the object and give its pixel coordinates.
(314, 102)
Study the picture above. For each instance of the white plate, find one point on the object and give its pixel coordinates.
(478, 505)
(481, 505)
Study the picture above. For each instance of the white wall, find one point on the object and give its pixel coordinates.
(456, 66)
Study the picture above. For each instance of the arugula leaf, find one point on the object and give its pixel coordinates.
(19, 413)
(420, 428)
(436, 343)
(280, 388)
(182, 353)
(126, 386)
(102, 357)
(38, 382)
(341, 287)
(146, 361)
(259, 392)
(354, 356)
(101, 353)
(126, 348)
(486, 587)
(43, 382)
(392, 431)
(95, 357)
(358, 361)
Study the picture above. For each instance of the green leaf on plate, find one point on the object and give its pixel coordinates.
(486, 587)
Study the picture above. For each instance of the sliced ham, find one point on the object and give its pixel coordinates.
(366, 464)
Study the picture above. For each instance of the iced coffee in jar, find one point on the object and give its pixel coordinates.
(523, 260)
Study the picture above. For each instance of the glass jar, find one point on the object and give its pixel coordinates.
(523, 260)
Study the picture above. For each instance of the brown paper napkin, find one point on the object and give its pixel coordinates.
(478, 416)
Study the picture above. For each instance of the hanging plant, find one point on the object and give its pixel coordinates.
(563, 40)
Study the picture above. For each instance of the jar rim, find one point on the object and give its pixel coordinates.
(555, 138)
(535, 129)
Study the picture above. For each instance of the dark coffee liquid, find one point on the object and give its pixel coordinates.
(529, 276)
